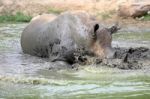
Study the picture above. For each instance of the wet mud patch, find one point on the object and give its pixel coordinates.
(124, 58)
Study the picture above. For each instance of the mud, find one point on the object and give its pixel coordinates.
(124, 58)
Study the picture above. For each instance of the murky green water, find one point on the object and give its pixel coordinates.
(27, 77)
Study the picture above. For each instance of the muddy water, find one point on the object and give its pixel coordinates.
(26, 77)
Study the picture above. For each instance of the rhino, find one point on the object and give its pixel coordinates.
(58, 37)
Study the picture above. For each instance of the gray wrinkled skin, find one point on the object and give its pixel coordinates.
(59, 37)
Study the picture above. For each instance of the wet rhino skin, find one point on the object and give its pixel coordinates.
(59, 37)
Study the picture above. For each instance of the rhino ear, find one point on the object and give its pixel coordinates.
(96, 27)
(114, 29)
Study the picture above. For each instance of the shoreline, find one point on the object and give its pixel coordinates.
(98, 8)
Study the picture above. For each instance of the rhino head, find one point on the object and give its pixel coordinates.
(101, 41)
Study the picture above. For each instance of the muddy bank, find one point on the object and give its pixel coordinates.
(124, 58)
